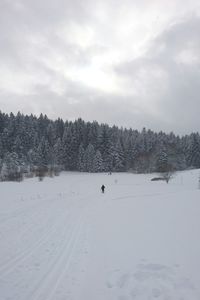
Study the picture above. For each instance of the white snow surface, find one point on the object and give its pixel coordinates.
(62, 239)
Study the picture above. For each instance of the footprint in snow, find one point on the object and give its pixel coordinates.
(153, 282)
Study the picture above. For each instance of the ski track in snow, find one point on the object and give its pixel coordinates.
(56, 243)
(59, 266)
(28, 225)
(45, 237)
(11, 264)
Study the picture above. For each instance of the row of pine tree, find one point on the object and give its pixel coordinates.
(38, 144)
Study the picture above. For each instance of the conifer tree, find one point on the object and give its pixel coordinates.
(119, 158)
(81, 158)
(193, 155)
(162, 162)
(89, 158)
(98, 162)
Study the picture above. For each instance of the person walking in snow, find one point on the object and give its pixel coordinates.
(103, 188)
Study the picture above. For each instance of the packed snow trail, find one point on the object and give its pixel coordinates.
(62, 239)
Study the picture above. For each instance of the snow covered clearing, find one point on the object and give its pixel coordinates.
(62, 239)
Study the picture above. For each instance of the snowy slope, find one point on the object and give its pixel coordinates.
(61, 239)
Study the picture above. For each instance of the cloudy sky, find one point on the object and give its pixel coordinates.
(133, 63)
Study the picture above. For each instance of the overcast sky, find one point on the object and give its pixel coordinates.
(133, 63)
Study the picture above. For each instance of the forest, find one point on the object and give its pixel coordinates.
(38, 145)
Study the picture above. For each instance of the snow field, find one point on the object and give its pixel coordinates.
(61, 239)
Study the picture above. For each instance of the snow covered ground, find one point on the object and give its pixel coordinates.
(61, 239)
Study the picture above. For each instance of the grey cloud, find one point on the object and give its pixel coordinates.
(79, 101)
(178, 94)
(166, 75)
(28, 25)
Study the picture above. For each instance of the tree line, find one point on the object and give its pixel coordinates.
(30, 144)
